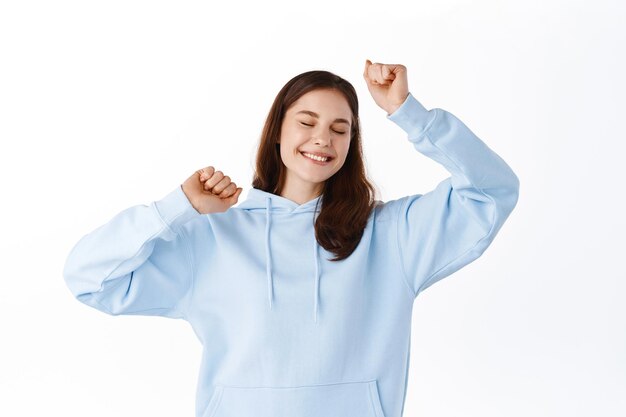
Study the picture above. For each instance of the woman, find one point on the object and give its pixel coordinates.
(302, 295)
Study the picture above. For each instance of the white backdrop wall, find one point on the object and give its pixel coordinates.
(105, 105)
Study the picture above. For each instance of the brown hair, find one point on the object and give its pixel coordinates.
(348, 196)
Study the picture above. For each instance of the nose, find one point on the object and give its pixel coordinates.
(322, 139)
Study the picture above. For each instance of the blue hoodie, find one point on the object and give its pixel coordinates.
(286, 332)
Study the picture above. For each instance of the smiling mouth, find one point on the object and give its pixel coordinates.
(315, 158)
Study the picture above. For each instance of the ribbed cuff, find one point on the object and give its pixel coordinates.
(175, 208)
(411, 116)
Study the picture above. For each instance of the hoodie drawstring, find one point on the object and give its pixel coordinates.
(268, 262)
(268, 258)
(316, 290)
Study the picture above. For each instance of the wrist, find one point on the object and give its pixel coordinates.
(396, 105)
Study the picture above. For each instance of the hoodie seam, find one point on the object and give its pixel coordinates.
(189, 258)
(128, 312)
(298, 386)
(426, 128)
(430, 278)
(156, 210)
(104, 307)
(167, 226)
(189, 293)
(124, 260)
(405, 278)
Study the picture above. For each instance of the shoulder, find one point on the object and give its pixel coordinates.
(389, 210)
(195, 225)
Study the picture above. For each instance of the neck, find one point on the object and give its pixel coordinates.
(301, 195)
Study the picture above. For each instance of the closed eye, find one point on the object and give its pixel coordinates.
(341, 133)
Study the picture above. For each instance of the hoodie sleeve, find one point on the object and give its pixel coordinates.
(139, 262)
(447, 228)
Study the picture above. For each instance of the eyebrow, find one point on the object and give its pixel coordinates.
(311, 113)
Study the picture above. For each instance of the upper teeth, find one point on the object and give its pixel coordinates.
(317, 158)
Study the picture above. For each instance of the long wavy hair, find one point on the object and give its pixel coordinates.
(348, 197)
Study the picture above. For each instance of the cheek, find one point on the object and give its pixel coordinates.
(291, 138)
(345, 148)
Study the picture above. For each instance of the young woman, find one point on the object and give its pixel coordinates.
(302, 294)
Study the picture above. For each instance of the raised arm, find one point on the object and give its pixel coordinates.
(139, 262)
(452, 225)
(439, 232)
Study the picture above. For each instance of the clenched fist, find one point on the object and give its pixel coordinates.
(209, 191)
(387, 84)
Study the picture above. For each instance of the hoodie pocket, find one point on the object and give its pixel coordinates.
(349, 399)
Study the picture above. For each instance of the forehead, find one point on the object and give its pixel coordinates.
(330, 103)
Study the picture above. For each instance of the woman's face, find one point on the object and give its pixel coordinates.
(318, 123)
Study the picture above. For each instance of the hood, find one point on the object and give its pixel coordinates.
(271, 203)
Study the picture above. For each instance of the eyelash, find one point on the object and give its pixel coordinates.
(306, 124)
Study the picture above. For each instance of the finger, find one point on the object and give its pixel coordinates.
(377, 75)
(368, 63)
(233, 199)
(214, 180)
(221, 185)
(228, 191)
(370, 72)
(206, 173)
(387, 72)
(382, 75)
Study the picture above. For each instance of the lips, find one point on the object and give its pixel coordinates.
(316, 161)
(320, 154)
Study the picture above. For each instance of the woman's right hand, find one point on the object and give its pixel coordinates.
(209, 191)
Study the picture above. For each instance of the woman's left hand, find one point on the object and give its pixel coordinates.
(387, 84)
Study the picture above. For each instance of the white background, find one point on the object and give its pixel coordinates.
(105, 105)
